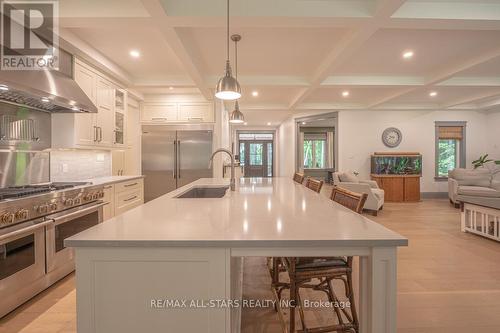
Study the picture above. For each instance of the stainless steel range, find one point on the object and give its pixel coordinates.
(22, 203)
(34, 221)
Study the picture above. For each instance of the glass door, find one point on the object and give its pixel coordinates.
(257, 158)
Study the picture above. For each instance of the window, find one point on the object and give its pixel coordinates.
(314, 153)
(242, 153)
(450, 147)
(256, 154)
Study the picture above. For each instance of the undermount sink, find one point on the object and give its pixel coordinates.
(204, 192)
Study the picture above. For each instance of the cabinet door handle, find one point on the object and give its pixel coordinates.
(130, 199)
(100, 134)
(159, 118)
(95, 133)
(128, 185)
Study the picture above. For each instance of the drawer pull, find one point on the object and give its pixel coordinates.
(128, 185)
(159, 119)
(195, 118)
(130, 199)
(108, 187)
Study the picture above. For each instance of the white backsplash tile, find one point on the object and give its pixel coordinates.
(74, 165)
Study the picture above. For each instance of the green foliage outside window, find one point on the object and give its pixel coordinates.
(448, 156)
(314, 154)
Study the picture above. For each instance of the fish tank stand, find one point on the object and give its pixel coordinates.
(398, 174)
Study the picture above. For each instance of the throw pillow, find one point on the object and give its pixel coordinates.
(348, 177)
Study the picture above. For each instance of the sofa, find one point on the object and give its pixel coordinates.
(478, 186)
(349, 181)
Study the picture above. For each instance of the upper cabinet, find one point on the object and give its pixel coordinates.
(177, 112)
(104, 129)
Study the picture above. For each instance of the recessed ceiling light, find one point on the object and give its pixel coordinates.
(268, 124)
(3, 87)
(171, 88)
(408, 54)
(303, 123)
(255, 93)
(74, 108)
(345, 93)
(135, 53)
(433, 93)
(245, 123)
(44, 99)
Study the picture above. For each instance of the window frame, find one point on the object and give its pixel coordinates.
(461, 152)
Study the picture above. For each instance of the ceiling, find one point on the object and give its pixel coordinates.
(301, 55)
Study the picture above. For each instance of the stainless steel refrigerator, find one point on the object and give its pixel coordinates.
(173, 157)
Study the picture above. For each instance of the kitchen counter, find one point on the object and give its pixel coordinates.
(111, 179)
(260, 212)
(193, 249)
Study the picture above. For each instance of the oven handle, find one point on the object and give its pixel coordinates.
(24, 230)
(76, 214)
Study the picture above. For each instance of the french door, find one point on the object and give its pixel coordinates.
(257, 158)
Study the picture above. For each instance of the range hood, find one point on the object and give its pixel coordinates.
(44, 90)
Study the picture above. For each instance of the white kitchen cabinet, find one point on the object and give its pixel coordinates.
(178, 112)
(120, 131)
(155, 112)
(95, 130)
(109, 200)
(128, 194)
(196, 112)
(122, 196)
(118, 162)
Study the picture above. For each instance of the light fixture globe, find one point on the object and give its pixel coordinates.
(236, 116)
(228, 87)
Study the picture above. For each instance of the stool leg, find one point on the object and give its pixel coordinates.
(350, 296)
(293, 300)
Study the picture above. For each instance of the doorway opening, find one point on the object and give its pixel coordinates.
(256, 153)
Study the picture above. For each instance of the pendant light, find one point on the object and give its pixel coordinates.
(228, 87)
(236, 116)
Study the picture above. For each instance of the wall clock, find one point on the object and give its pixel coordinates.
(392, 137)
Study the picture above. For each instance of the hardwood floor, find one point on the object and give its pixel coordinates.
(448, 281)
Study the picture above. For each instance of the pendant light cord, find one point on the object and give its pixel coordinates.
(236, 58)
(227, 30)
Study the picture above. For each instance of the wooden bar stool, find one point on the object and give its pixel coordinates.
(314, 184)
(298, 177)
(318, 274)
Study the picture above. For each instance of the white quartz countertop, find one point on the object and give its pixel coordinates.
(261, 212)
(111, 179)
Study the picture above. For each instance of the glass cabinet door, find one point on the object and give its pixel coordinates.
(120, 103)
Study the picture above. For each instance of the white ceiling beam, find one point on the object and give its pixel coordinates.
(471, 81)
(445, 73)
(266, 80)
(157, 13)
(489, 103)
(346, 47)
(472, 98)
(339, 80)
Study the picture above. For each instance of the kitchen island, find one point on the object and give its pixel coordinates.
(132, 269)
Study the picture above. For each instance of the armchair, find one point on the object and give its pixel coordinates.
(375, 195)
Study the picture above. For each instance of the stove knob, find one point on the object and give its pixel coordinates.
(95, 196)
(101, 194)
(43, 209)
(78, 201)
(68, 202)
(8, 218)
(53, 206)
(87, 197)
(22, 214)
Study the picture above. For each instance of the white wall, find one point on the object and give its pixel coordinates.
(74, 165)
(286, 148)
(359, 135)
(493, 130)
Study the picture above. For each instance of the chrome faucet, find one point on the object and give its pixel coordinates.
(223, 150)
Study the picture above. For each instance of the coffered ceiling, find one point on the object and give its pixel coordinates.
(303, 55)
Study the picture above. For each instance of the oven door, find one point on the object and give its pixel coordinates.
(66, 224)
(22, 262)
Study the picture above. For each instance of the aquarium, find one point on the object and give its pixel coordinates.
(396, 164)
